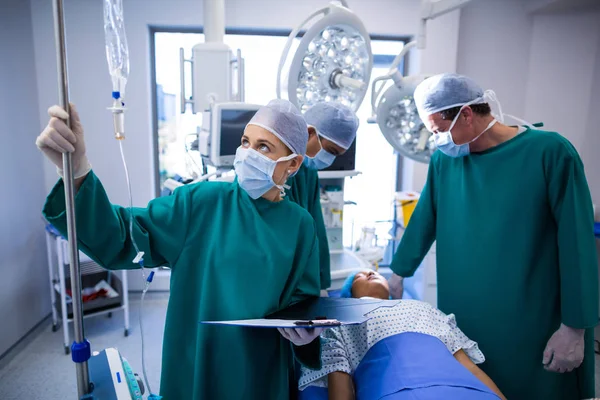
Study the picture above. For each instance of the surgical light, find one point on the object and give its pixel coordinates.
(396, 113)
(400, 124)
(332, 62)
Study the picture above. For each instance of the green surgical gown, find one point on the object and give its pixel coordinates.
(232, 258)
(304, 191)
(516, 256)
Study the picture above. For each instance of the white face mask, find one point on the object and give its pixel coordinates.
(255, 172)
(445, 143)
(321, 160)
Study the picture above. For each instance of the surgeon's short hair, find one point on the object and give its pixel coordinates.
(482, 109)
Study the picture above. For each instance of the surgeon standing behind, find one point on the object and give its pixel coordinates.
(331, 130)
(236, 250)
(511, 214)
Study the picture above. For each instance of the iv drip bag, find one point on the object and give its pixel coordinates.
(117, 53)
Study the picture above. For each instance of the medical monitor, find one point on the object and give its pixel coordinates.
(222, 131)
(345, 162)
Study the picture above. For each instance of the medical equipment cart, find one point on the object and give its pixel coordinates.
(91, 273)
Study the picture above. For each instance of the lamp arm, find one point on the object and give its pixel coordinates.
(433, 9)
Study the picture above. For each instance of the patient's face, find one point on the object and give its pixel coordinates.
(370, 284)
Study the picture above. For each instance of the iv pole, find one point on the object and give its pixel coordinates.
(80, 349)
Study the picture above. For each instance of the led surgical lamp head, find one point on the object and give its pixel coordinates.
(394, 110)
(399, 121)
(332, 62)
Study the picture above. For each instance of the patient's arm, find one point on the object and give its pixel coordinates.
(340, 386)
(462, 358)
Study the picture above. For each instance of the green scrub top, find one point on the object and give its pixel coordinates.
(516, 256)
(231, 258)
(304, 191)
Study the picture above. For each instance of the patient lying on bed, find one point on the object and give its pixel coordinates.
(410, 351)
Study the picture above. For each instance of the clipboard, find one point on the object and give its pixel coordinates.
(319, 312)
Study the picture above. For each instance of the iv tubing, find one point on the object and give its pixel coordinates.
(146, 281)
(146, 285)
(137, 250)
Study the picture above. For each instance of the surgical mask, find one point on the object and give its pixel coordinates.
(321, 160)
(445, 143)
(255, 172)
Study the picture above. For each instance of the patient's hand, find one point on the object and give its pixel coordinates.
(466, 362)
(340, 386)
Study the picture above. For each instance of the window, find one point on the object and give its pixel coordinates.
(372, 190)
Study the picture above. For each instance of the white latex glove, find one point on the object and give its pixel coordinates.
(300, 336)
(564, 351)
(396, 286)
(57, 139)
(324, 293)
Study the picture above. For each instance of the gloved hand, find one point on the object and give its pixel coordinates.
(396, 286)
(57, 139)
(300, 336)
(564, 351)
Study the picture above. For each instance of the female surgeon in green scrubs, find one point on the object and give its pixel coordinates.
(331, 128)
(236, 250)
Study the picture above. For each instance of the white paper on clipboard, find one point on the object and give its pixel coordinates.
(284, 323)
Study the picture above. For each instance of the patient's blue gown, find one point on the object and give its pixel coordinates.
(411, 366)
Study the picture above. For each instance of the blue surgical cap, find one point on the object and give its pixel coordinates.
(282, 119)
(334, 122)
(346, 290)
(444, 91)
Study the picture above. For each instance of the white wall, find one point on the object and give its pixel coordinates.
(562, 70)
(494, 49)
(591, 142)
(24, 286)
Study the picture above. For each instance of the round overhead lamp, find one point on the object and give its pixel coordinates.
(396, 113)
(399, 121)
(331, 63)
